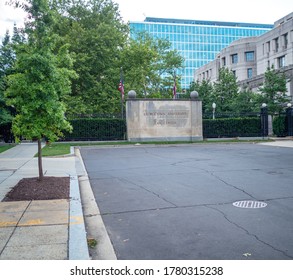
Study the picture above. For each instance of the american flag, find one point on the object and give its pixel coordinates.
(121, 88)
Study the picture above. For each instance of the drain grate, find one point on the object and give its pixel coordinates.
(250, 204)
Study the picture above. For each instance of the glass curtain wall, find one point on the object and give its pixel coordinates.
(198, 42)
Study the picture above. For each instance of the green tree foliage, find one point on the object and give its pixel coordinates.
(40, 80)
(7, 58)
(225, 90)
(245, 102)
(148, 65)
(100, 43)
(96, 34)
(205, 91)
(225, 93)
(273, 91)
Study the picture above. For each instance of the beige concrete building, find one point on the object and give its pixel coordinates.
(250, 57)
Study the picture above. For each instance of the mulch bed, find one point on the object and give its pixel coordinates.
(34, 189)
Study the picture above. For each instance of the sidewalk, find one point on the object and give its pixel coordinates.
(286, 143)
(44, 229)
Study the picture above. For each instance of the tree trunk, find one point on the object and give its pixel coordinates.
(41, 175)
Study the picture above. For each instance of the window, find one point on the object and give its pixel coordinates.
(281, 61)
(285, 36)
(268, 46)
(224, 61)
(249, 56)
(249, 73)
(276, 44)
(234, 58)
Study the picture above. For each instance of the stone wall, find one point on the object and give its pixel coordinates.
(164, 120)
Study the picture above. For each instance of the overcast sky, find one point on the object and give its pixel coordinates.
(253, 11)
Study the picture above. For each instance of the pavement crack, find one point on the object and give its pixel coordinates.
(230, 185)
(137, 211)
(249, 233)
(147, 190)
(15, 227)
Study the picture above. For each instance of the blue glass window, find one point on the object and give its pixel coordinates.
(249, 56)
(249, 73)
(198, 42)
(234, 58)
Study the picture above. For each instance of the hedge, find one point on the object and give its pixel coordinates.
(280, 128)
(115, 129)
(232, 127)
(6, 133)
(87, 129)
(96, 129)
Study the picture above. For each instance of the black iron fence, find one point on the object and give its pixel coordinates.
(96, 127)
(283, 123)
(113, 127)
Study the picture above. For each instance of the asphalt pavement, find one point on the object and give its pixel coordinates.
(200, 201)
(212, 201)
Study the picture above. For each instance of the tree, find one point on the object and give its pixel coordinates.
(205, 91)
(96, 35)
(245, 101)
(6, 62)
(40, 80)
(273, 90)
(149, 65)
(225, 90)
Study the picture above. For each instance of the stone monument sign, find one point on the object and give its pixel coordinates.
(163, 119)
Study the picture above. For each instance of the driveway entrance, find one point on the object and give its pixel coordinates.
(200, 201)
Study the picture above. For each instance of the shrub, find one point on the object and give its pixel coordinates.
(279, 126)
(6, 132)
(232, 127)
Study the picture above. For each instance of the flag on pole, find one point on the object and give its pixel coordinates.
(174, 87)
(121, 86)
(121, 89)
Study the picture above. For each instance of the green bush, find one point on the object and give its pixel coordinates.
(232, 127)
(96, 129)
(279, 126)
(6, 132)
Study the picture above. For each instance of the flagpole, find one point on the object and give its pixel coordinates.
(174, 87)
(122, 92)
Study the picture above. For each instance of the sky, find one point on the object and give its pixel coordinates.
(250, 11)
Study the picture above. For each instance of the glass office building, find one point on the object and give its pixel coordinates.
(197, 41)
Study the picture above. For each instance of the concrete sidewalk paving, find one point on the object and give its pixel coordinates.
(40, 230)
(279, 143)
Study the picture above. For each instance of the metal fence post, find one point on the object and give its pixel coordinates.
(264, 120)
(289, 114)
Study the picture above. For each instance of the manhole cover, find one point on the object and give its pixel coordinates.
(250, 204)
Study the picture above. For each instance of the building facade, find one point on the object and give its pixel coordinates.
(198, 42)
(249, 58)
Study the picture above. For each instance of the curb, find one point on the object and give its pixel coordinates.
(93, 220)
(78, 248)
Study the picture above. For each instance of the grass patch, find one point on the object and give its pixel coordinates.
(56, 149)
(6, 147)
(59, 149)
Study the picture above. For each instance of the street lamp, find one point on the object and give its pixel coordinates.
(214, 105)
